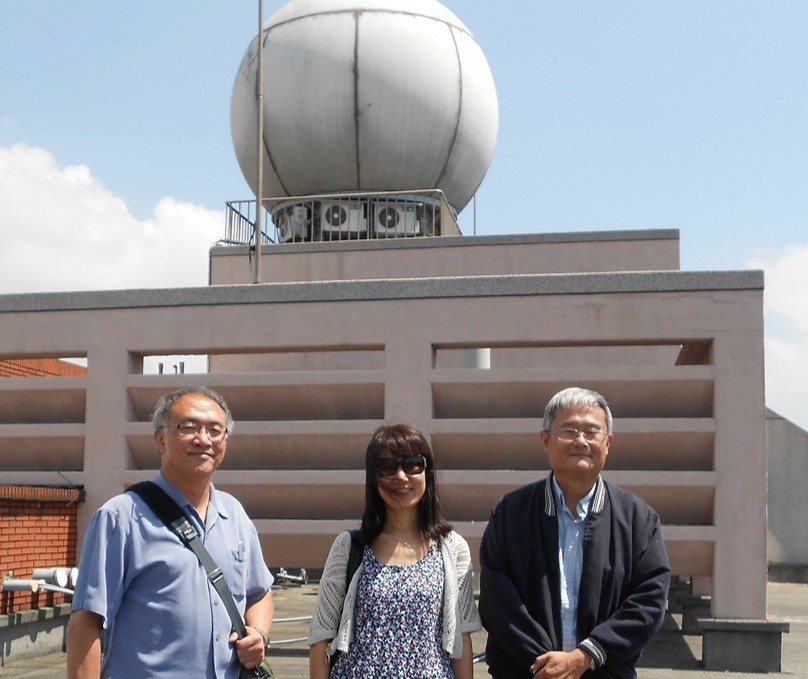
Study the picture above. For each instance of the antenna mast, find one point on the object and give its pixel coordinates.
(259, 199)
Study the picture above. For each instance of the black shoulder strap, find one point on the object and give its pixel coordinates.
(170, 513)
(354, 556)
(161, 503)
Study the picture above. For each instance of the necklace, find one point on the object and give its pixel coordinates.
(397, 550)
(410, 545)
(418, 546)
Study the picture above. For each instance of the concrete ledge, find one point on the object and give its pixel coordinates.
(742, 645)
(693, 607)
(788, 573)
(33, 633)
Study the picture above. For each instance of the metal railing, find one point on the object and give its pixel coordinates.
(239, 224)
(343, 216)
(282, 621)
(39, 584)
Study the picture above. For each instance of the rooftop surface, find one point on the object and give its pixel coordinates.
(671, 655)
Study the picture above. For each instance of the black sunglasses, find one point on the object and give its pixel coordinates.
(412, 466)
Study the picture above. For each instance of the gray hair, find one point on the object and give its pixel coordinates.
(166, 403)
(575, 396)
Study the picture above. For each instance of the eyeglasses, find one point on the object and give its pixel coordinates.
(188, 429)
(411, 466)
(571, 434)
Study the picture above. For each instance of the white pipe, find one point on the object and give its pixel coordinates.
(478, 358)
(14, 585)
(55, 576)
(10, 585)
(55, 588)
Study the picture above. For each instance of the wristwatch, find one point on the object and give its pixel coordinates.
(265, 636)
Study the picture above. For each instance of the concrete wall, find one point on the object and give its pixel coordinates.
(679, 355)
(787, 475)
(33, 633)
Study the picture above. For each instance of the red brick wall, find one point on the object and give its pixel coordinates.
(29, 367)
(38, 529)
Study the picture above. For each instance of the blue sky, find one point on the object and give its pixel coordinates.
(115, 138)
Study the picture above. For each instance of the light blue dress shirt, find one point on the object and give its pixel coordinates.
(162, 618)
(570, 561)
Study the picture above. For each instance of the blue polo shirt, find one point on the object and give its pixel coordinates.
(162, 617)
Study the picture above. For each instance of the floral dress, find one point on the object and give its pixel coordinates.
(398, 622)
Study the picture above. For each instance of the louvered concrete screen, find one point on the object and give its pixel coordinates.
(311, 368)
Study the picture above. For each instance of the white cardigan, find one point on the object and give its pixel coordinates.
(460, 614)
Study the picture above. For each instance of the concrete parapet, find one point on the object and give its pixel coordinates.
(739, 645)
(33, 633)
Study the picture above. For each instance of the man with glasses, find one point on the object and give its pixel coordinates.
(144, 592)
(574, 573)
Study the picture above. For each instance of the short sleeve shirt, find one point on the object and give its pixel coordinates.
(162, 617)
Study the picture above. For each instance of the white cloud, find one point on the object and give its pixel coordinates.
(786, 292)
(786, 375)
(62, 230)
(785, 299)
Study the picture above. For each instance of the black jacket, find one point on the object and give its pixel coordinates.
(624, 581)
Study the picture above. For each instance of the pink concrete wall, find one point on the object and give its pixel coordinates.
(690, 437)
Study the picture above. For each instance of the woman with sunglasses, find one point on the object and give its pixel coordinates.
(408, 610)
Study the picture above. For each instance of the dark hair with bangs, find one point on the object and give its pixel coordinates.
(401, 440)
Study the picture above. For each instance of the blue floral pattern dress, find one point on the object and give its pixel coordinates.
(398, 622)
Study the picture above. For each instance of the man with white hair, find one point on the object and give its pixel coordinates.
(140, 589)
(574, 573)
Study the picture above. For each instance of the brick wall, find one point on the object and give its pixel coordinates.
(39, 367)
(38, 529)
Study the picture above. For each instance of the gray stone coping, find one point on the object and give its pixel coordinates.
(391, 289)
(742, 625)
(34, 615)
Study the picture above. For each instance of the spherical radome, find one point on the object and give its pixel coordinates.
(366, 95)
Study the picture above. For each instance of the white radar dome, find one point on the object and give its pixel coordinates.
(366, 95)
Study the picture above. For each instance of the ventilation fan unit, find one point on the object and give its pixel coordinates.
(391, 219)
(293, 224)
(342, 219)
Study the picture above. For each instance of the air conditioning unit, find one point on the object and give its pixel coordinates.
(293, 224)
(393, 219)
(342, 219)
